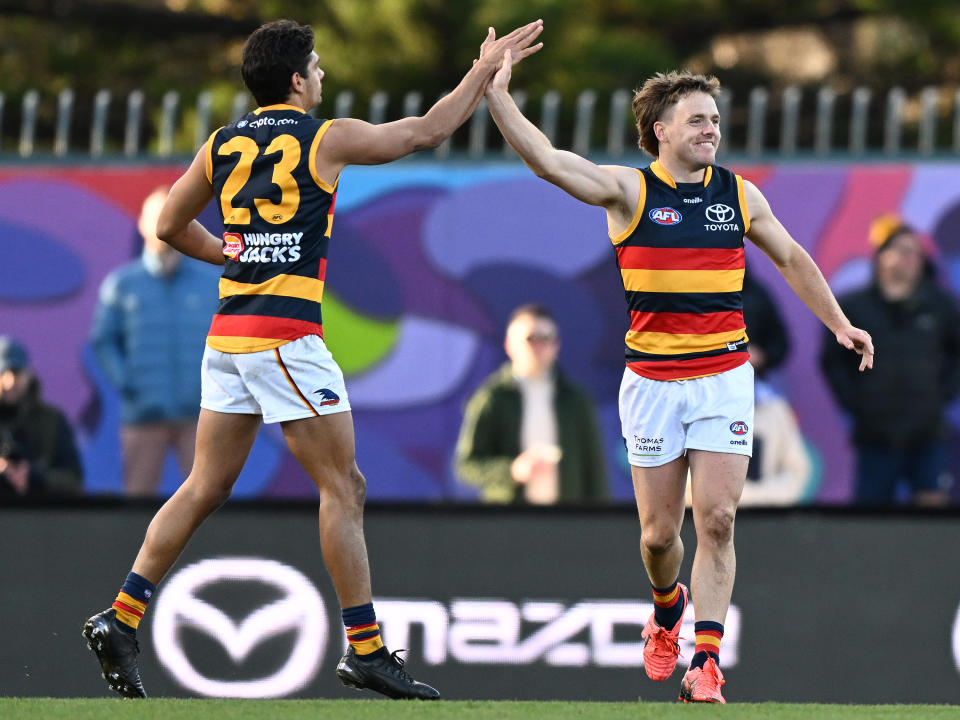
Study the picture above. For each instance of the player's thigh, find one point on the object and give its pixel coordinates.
(324, 446)
(224, 441)
(660, 493)
(716, 483)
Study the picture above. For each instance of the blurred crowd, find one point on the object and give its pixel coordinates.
(530, 433)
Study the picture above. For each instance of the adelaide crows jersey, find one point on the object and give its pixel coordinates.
(682, 264)
(277, 217)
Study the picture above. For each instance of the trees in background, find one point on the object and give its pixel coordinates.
(426, 45)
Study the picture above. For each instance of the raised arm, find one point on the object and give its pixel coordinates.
(355, 142)
(613, 187)
(177, 224)
(802, 274)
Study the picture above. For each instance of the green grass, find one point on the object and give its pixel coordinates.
(167, 709)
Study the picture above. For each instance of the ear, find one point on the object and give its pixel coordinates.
(660, 131)
(297, 83)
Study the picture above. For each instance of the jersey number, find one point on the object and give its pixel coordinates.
(276, 213)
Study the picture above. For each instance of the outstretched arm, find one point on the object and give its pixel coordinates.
(177, 224)
(355, 142)
(802, 274)
(610, 186)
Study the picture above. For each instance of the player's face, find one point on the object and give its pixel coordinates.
(314, 80)
(693, 130)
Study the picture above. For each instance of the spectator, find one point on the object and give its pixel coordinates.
(529, 434)
(37, 449)
(897, 411)
(148, 334)
(769, 343)
(780, 471)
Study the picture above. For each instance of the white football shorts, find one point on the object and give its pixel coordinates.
(662, 419)
(294, 381)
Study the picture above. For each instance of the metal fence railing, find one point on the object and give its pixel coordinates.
(791, 122)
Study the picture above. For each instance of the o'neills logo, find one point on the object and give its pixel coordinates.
(232, 245)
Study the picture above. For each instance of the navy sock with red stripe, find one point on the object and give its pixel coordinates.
(709, 634)
(132, 601)
(363, 632)
(667, 605)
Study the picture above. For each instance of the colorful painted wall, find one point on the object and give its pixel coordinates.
(426, 263)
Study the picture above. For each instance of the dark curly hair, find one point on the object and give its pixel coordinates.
(271, 55)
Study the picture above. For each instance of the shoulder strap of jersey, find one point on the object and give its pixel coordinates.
(312, 162)
(743, 205)
(208, 164)
(638, 213)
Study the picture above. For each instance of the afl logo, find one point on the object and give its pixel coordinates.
(719, 213)
(739, 427)
(665, 216)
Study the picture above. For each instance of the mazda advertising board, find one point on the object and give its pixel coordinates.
(488, 603)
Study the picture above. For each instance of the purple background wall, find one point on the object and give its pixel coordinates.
(436, 255)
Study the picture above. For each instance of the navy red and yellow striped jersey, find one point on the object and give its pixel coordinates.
(277, 216)
(682, 263)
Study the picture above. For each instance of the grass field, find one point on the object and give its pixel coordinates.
(167, 709)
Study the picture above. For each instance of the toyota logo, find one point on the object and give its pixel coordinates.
(720, 213)
(299, 608)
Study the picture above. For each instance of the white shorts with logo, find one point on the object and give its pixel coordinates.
(662, 419)
(294, 381)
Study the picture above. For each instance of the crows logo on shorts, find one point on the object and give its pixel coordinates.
(327, 396)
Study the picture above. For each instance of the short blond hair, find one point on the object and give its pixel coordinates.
(659, 94)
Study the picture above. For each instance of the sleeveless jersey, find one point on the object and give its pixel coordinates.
(277, 217)
(682, 263)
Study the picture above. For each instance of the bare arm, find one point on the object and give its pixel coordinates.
(355, 142)
(802, 274)
(177, 224)
(613, 187)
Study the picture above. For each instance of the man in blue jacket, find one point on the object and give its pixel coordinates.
(148, 335)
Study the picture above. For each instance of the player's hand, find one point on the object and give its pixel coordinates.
(500, 82)
(519, 43)
(860, 342)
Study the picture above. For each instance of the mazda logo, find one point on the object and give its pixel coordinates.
(720, 213)
(299, 608)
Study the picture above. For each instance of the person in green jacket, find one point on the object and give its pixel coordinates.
(529, 434)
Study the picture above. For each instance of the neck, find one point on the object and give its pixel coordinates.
(682, 172)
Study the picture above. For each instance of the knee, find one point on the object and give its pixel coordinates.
(210, 497)
(351, 488)
(658, 540)
(717, 526)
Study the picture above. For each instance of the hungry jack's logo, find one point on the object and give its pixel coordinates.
(232, 245)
